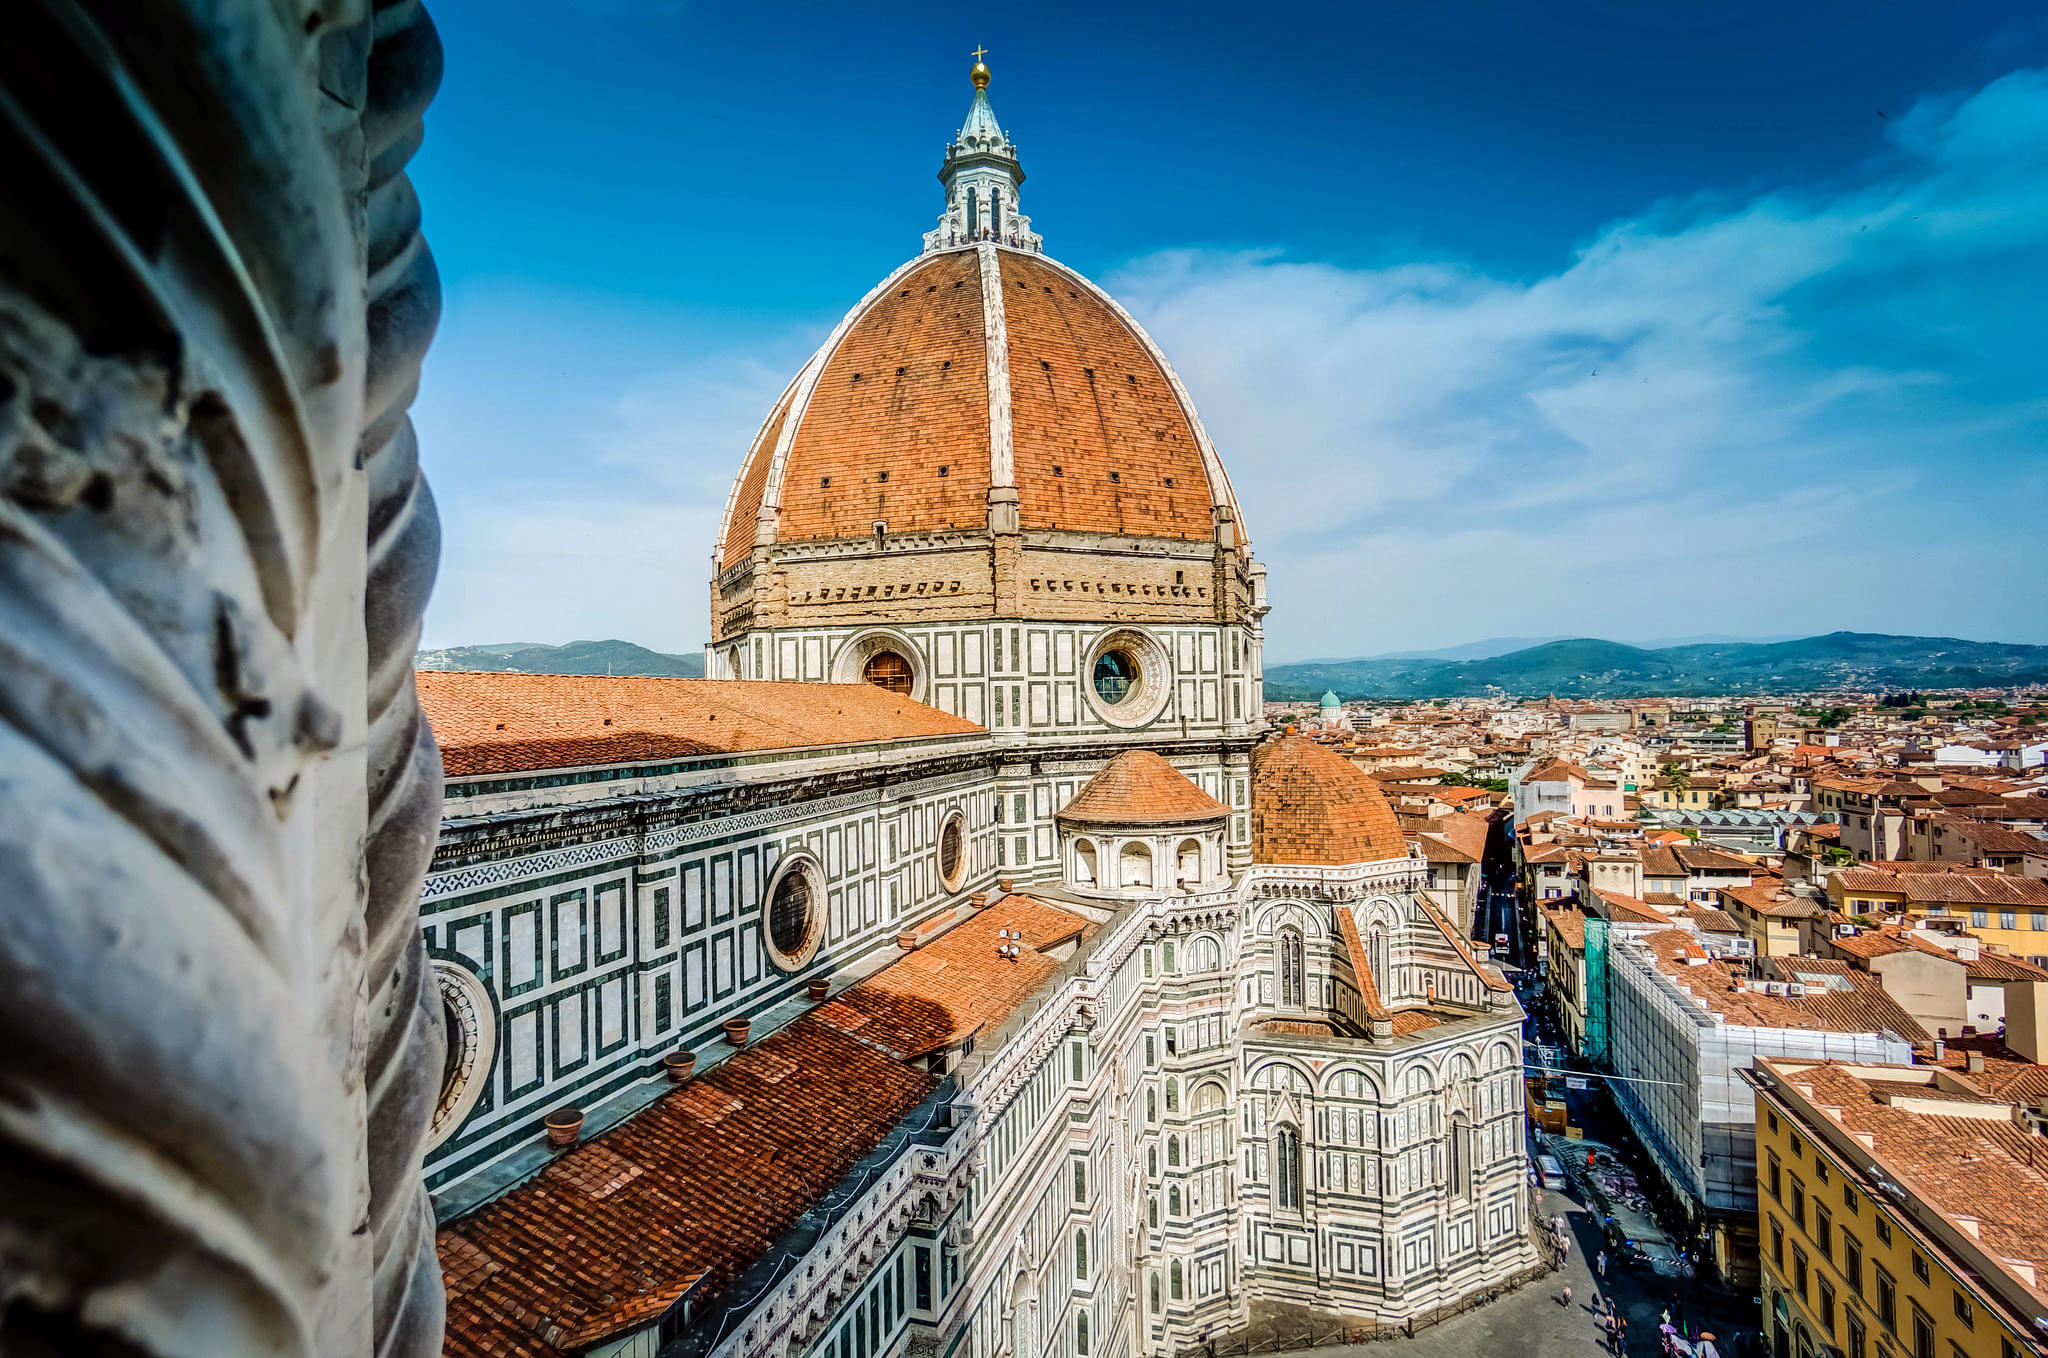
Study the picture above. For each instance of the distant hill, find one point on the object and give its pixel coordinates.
(1584, 668)
(1471, 650)
(1577, 668)
(578, 657)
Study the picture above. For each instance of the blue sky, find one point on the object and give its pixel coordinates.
(1622, 320)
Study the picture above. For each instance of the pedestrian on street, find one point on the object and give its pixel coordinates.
(1600, 1265)
(1567, 1302)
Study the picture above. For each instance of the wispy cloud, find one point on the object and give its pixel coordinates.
(1803, 409)
(1820, 406)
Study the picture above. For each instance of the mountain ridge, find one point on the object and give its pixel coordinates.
(1572, 667)
(611, 657)
(1581, 667)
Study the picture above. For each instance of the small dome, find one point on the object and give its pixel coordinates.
(1139, 788)
(1313, 806)
(1330, 700)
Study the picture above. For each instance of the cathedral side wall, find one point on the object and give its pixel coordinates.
(639, 932)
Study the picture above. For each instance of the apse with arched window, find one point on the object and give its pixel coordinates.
(1291, 968)
(1188, 862)
(1134, 866)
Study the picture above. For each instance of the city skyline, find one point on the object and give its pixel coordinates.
(1647, 364)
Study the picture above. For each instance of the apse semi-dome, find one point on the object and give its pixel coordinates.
(986, 436)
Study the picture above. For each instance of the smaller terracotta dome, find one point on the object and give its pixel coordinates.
(1311, 805)
(1139, 788)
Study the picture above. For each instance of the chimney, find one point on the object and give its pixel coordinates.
(2026, 1019)
(1940, 1049)
(1976, 1063)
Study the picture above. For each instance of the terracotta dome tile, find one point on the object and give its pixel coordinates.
(1313, 806)
(1100, 442)
(1140, 788)
(905, 394)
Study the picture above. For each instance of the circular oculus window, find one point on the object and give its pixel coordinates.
(953, 851)
(888, 670)
(884, 657)
(472, 1043)
(795, 922)
(1129, 677)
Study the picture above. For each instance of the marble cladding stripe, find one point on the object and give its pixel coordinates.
(443, 884)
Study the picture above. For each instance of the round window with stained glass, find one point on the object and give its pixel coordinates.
(795, 916)
(1116, 674)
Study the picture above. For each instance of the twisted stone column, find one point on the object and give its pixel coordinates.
(407, 1042)
(219, 1046)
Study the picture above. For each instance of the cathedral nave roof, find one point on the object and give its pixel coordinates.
(509, 723)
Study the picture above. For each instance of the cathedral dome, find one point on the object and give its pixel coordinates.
(973, 377)
(1311, 805)
(989, 436)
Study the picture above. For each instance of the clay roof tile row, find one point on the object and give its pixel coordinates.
(488, 723)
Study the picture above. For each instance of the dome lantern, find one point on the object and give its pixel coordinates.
(982, 177)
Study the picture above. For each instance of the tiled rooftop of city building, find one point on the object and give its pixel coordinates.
(510, 723)
(693, 1189)
(1977, 1164)
(1716, 985)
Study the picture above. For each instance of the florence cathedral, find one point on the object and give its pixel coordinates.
(963, 967)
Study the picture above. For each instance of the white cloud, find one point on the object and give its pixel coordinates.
(1724, 411)
(1818, 407)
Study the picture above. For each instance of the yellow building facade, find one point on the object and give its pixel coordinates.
(1869, 1249)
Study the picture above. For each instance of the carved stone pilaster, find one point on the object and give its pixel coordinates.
(218, 1037)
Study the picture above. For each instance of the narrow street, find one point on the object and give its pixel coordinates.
(1537, 1321)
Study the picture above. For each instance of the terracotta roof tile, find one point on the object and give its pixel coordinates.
(746, 506)
(1075, 406)
(896, 425)
(1863, 1008)
(699, 1185)
(947, 989)
(1140, 788)
(1999, 967)
(1570, 923)
(1408, 1022)
(1958, 1166)
(1313, 806)
(506, 723)
(905, 394)
(1623, 908)
(572, 1268)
